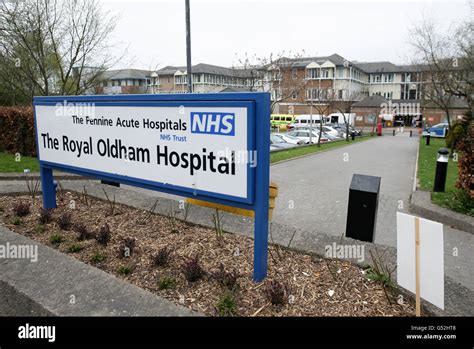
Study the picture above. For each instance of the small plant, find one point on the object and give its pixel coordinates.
(16, 221)
(45, 216)
(162, 257)
(83, 233)
(74, 248)
(111, 204)
(226, 278)
(227, 305)
(56, 239)
(124, 269)
(192, 270)
(217, 220)
(127, 247)
(40, 228)
(21, 209)
(32, 184)
(98, 257)
(173, 220)
(167, 283)
(103, 237)
(65, 220)
(276, 292)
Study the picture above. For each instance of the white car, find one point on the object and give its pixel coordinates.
(305, 136)
(289, 139)
(333, 132)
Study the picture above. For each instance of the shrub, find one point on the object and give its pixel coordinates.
(17, 128)
(16, 221)
(127, 247)
(103, 237)
(40, 228)
(162, 257)
(192, 270)
(65, 220)
(21, 208)
(45, 216)
(98, 257)
(166, 283)
(124, 269)
(275, 292)
(55, 239)
(74, 248)
(83, 232)
(227, 305)
(226, 278)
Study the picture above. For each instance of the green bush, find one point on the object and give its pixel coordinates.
(17, 128)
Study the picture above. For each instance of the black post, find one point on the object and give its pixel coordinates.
(411, 132)
(428, 139)
(441, 170)
(353, 135)
(188, 48)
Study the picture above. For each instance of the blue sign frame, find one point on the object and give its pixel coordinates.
(258, 113)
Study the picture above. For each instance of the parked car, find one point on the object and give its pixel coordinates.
(289, 139)
(279, 142)
(439, 130)
(304, 135)
(342, 127)
(332, 131)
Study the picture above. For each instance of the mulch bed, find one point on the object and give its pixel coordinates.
(305, 284)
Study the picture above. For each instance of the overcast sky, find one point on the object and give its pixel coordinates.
(154, 30)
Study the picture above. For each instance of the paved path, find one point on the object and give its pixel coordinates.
(314, 191)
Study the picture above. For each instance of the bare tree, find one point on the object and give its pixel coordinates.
(343, 105)
(275, 73)
(447, 63)
(54, 47)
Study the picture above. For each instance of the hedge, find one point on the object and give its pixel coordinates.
(17, 131)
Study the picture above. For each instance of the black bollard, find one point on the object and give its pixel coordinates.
(441, 170)
(394, 132)
(428, 139)
(353, 135)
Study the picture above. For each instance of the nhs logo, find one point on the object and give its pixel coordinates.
(215, 123)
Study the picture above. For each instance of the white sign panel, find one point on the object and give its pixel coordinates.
(195, 148)
(431, 258)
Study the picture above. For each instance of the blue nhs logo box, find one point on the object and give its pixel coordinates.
(215, 123)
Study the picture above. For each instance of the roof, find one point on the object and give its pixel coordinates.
(122, 74)
(387, 67)
(304, 61)
(203, 68)
(372, 101)
(454, 102)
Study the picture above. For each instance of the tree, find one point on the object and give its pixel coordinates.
(343, 105)
(274, 73)
(53, 47)
(447, 63)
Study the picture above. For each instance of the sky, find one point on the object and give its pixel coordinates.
(151, 34)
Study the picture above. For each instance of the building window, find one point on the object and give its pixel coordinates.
(340, 94)
(313, 73)
(325, 73)
(294, 95)
(376, 78)
(388, 77)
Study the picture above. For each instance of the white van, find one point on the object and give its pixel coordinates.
(307, 120)
(338, 118)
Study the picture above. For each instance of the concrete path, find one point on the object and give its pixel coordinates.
(314, 191)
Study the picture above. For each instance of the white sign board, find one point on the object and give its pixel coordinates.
(431, 258)
(195, 148)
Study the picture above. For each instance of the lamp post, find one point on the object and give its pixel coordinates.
(441, 170)
(188, 48)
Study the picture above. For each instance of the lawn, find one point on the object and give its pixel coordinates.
(451, 198)
(300, 151)
(9, 163)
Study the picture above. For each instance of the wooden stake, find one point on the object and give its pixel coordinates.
(417, 259)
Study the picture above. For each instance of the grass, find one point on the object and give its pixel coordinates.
(452, 198)
(312, 149)
(8, 163)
